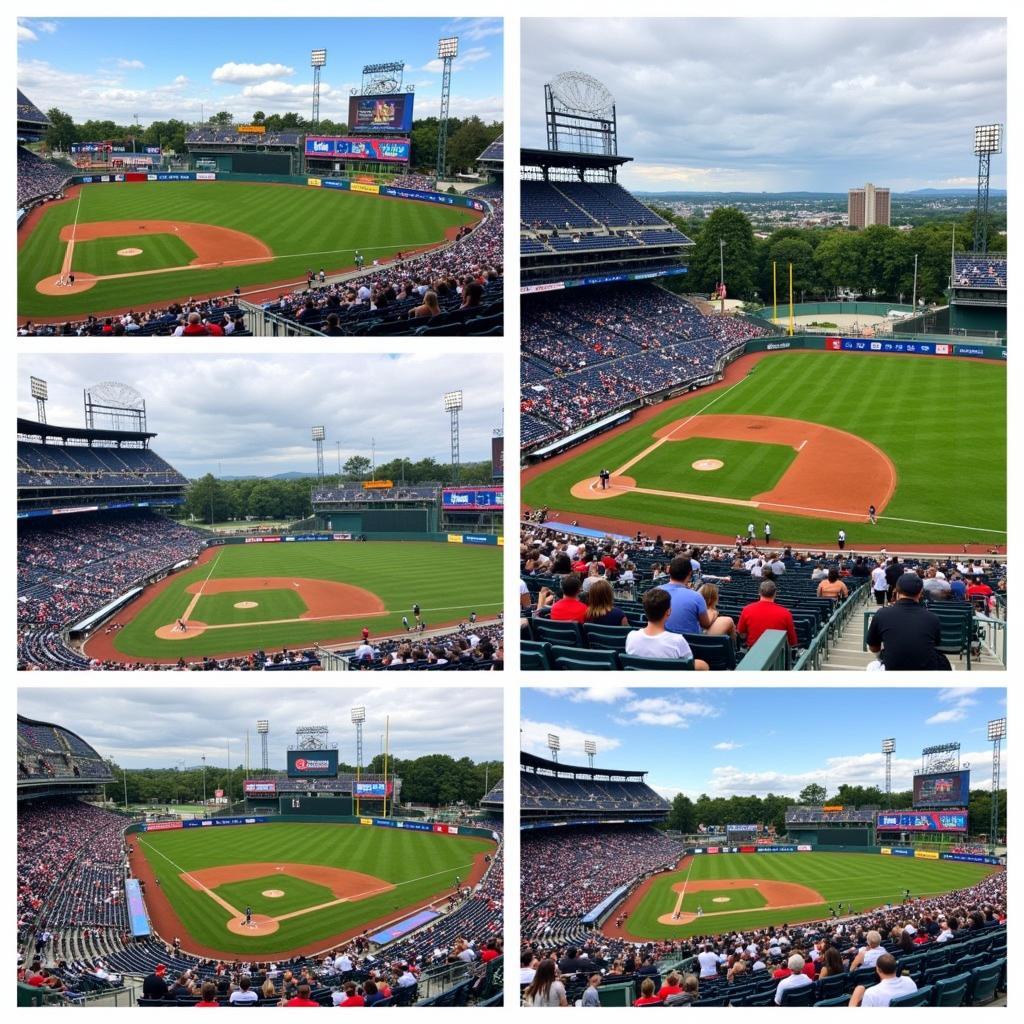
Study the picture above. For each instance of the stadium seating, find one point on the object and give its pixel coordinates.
(39, 179)
(971, 271)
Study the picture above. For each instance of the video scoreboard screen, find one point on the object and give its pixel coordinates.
(310, 764)
(922, 821)
(392, 113)
(740, 833)
(497, 458)
(471, 499)
(327, 147)
(942, 789)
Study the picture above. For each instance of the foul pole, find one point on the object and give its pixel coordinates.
(387, 741)
(791, 300)
(775, 295)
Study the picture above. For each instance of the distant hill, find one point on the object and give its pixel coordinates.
(808, 195)
(276, 476)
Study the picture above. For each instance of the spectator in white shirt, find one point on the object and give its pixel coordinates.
(869, 954)
(888, 987)
(654, 641)
(795, 980)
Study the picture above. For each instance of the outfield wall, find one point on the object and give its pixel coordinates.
(884, 346)
(477, 539)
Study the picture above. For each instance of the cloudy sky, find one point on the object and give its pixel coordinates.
(756, 741)
(783, 104)
(159, 727)
(161, 68)
(245, 415)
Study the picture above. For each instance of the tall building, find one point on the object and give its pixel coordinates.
(869, 205)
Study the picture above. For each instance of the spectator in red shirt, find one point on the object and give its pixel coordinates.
(209, 995)
(489, 952)
(301, 998)
(979, 589)
(352, 997)
(670, 988)
(569, 608)
(765, 614)
(647, 996)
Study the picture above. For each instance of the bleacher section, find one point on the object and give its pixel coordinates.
(51, 465)
(542, 792)
(50, 752)
(39, 179)
(987, 271)
(798, 815)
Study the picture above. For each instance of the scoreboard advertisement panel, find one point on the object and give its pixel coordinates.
(463, 499)
(348, 148)
(942, 789)
(922, 821)
(373, 789)
(309, 764)
(390, 113)
(497, 458)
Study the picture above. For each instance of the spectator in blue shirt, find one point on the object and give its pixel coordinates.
(689, 612)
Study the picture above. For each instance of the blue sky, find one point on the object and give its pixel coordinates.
(754, 741)
(783, 104)
(161, 68)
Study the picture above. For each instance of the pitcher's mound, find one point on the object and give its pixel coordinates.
(246, 604)
(721, 899)
(171, 631)
(273, 894)
(706, 465)
(129, 252)
(259, 925)
(49, 286)
(591, 489)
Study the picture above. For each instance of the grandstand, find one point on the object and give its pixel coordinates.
(38, 179)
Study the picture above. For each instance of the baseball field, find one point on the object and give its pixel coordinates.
(807, 441)
(308, 886)
(139, 244)
(752, 890)
(238, 598)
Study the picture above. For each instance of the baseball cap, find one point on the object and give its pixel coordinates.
(910, 584)
(160, 969)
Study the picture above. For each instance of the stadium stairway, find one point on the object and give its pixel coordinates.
(848, 654)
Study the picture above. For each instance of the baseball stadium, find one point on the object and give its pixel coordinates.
(321, 874)
(654, 422)
(714, 900)
(275, 231)
(116, 572)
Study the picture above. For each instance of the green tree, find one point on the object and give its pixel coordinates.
(740, 257)
(789, 250)
(812, 794)
(62, 131)
(357, 467)
(259, 117)
(223, 119)
(207, 500)
(682, 816)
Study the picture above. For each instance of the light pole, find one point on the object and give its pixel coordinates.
(554, 745)
(318, 435)
(721, 271)
(913, 301)
(204, 779)
(317, 60)
(590, 749)
(447, 51)
(996, 733)
(358, 718)
(888, 747)
(40, 392)
(452, 405)
(988, 140)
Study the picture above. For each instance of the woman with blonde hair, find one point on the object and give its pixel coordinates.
(721, 625)
(601, 607)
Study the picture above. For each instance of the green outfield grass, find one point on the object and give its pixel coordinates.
(749, 467)
(298, 894)
(270, 604)
(738, 899)
(100, 256)
(863, 880)
(448, 581)
(420, 864)
(305, 228)
(942, 422)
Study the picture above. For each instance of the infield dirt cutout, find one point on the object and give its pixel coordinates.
(778, 896)
(347, 887)
(834, 474)
(324, 599)
(213, 245)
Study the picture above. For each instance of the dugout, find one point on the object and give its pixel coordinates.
(319, 806)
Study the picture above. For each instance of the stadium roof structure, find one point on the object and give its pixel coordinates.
(49, 785)
(548, 158)
(494, 153)
(32, 428)
(531, 762)
(32, 122)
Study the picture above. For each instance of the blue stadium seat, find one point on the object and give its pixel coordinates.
(922, 997)
(803, 996)
(984, 983)
(633, 663)
(717, 651)
(574, 658)
(951, 991)
(606, 638)
(567, 634)
(843, 1000)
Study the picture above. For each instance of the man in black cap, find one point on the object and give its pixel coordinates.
(906, 635)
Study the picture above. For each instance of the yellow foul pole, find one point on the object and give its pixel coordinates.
(791, 299)
(387, 740)
(775, 295)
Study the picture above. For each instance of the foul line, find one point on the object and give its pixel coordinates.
(661, 440)
(682, 892)
(70, 250)
(195, 599)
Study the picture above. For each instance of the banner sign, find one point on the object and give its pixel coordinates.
(451, 830)
(251, 129)
(923, 821)
(970, 858)
(468, 498)
(409, 924)
(804, 848)
(777, 849)
(740, 828)
(137, 916)
(390, 112)
(832, 808)
(916, 348)
(349, 148)
(378, 485)
(409, 826)
(210, 822)
(375, 789)
(901, 851)
(713, 849)
(90, 147)
(748, 849)
(361, 186)
(161, 826)
(366, 821)
(305, 764)
(261, 787)
(926, 855)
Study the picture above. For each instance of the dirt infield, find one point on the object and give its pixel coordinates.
(778, 896)
(835, 473)
(167, 924)
(734, 373)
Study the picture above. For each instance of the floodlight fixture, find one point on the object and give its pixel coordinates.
(996, 729)
(39, 388)
(318, 58)
(554, 743)
(262, 726)
(358, 715)
(319, 433)
(888, 746)
(589, 747)
(452, 401)
(448, 47)
(988, 139)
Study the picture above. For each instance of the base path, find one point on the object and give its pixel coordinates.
(167, 924)
(213, 245)
(778, 896)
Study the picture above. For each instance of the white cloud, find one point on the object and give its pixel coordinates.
(464, 60)
(473, 29)
(672, 712)
(534, 739)
(727, 745)
(960, 698)
(232, 72)
(26, 35)
(49, 27)
(941, 717)
(130, 65)
(582, 694)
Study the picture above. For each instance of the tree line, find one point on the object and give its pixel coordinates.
(467, 137)
(686, 814)
(877, 262)
(209, 500)
(434, 779)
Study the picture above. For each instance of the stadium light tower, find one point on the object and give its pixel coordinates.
(317, 59)
(996, 734)
(40, 393)
(888, 748)
(452, 405)
(447, 50)
(590, 749)
(554, 745)
(262, 730)
(358, 717)
(988, 140)
(319, 433)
